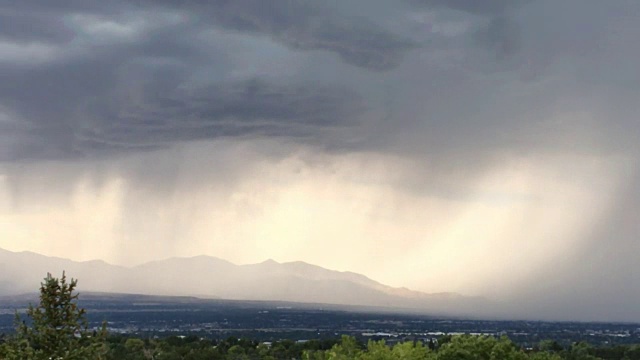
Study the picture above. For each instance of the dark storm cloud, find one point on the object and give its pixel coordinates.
(498, 31)
(486, 7)
(297, 24)
(94, 115)
(162, 81)
(501, 35)
(253, 107)
(306, 25)
(29, 27)
(70, 66)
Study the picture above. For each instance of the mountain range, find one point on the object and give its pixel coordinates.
(211, 277)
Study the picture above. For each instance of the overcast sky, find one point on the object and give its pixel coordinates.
(487, 147)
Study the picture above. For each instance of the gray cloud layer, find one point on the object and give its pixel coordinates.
(90, 61)
(304, 25)
(85, 73)
(491, 7)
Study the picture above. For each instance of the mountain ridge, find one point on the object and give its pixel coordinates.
(212, 277)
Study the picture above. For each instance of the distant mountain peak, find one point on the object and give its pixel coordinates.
(270, 262)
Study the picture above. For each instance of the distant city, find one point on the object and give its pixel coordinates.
(152, 316)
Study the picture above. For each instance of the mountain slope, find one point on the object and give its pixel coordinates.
(206, 276)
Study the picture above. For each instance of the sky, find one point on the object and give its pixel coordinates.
(481, 147)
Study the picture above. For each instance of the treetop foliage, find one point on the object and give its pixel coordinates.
(56, 328)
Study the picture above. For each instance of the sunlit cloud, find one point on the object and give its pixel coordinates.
(344, 211)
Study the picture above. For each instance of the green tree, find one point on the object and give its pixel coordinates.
(632, 353)
(542, 355)
(57, 328)
(550, 346)
(410, 350)
(480, 348)
(236, 352)
(505, 349)
(467, 347)
(377, 350)
(347, 349)
(135, 349)
(580, 351)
